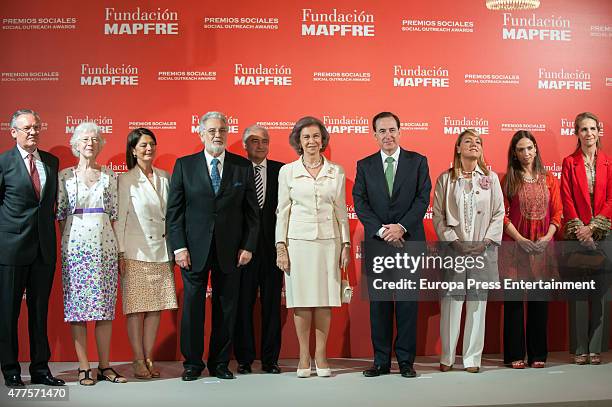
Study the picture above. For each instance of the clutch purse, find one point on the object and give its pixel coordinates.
(346, 291)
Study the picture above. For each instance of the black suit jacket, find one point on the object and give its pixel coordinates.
(408, 203)
(25, 222)
(195, 214)
(268, 213)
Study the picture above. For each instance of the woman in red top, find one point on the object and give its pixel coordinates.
(586, 192)
(533, 215)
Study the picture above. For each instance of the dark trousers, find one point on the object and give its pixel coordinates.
(260, 273)
(36, 279)
(514, 331)
(381, 326)
(225, 288)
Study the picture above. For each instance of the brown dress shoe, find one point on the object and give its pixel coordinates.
(445, 368)
(472, 369)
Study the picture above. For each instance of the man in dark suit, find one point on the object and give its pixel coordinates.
(391, 196)
(212, 222)
(261, 272)
(28, 188)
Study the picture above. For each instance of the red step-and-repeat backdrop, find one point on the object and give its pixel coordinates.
(441, 66)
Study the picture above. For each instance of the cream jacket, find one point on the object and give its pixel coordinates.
(449, 217)
(311, 209)
(141, 228)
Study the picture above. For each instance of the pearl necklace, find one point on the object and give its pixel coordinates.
(312, 166)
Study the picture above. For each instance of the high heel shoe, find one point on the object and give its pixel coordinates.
(154, 372)
(302, 373)
(324, 372)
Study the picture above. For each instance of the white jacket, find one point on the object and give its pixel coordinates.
(141, 228)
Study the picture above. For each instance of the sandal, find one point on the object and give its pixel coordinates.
(538, 364)
(117, 378)
(581, 359)
(518, 364)
(140, 370)
(86, 380)
(595, 359)
(154, 372)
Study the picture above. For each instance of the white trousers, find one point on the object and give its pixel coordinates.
(473, 333)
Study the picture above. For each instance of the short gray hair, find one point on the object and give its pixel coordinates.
(20, 112)
(255, 127)
(83, 128)
(211, 115)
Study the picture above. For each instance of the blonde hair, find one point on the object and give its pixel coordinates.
(455, 170)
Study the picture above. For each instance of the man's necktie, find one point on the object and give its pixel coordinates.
(259, 187)
(389, 174)
(34, 176)
(215, 177)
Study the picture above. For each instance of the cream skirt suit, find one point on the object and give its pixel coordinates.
(313, 223)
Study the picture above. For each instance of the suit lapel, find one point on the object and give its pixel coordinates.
(601, 181)
(228, 169)
(378, 173)
(23, 171)
(201, 174)
(269, 184)
(581, 177)
(402, 171)
(146, 186)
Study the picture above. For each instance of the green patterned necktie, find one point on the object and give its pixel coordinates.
(389, 174)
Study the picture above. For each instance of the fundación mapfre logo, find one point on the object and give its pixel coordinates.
(112, 75)
(137, 21)
(355, 124)
(335, 23)
(420, 76)
(232, 124)
(535, 28)
(105, 123)
(456, 125)
(564, 80)
(262, 75)
(567, 127)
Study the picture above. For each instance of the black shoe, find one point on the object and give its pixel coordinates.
(190, 374)
(407, 370)
(244, 368)
(222, 372)
(272, 368)
(13, 381)
(375, 371)
(48, 380)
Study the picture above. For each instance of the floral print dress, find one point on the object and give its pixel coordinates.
(89, 248)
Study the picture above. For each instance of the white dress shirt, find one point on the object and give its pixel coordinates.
(42, 175)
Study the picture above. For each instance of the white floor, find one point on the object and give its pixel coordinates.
(559, 384)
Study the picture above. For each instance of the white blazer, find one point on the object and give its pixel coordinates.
(309, 208)
(141, 228)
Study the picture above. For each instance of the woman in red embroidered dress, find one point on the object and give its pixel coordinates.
(533, 215)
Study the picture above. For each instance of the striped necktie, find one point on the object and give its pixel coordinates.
(259, 186)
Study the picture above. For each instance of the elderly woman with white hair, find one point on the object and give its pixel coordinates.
(87, 206)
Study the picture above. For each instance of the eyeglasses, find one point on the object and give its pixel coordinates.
(28, 129)
(94, 140)
(212, 132)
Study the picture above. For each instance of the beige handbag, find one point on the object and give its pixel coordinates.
(346, 291)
